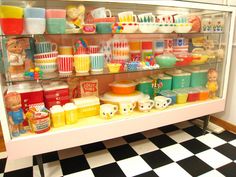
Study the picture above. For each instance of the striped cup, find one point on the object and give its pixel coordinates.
(65, 63)
(82, 63)
(97, 62)
(93, 49)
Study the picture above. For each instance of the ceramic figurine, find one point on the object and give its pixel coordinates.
(15, 113)
(75, 16)
(212, 82)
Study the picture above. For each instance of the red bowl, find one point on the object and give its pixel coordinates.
(12, 25)
(186, 59)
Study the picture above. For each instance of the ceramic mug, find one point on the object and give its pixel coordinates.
(127, 17)
(146, 18)
(101, 12)
(65, 50)
(126, 107)
(145, 105)
(45, 47)
(107, 111)
(65, 63)
(82, 63)
(162, 102)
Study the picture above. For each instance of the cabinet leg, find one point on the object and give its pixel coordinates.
(39, 159)
(206, 120)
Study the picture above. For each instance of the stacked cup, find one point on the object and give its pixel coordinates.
(65, 60)
(96, 58)
(34, 20)
(11, 20)
(56, 21)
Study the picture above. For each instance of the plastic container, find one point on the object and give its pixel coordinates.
(169, 94)
(181, 96)
(40, 123)
(193, 94)
(12, 26)
(203, 93)
(123, 87)
(11, 12)
(57, 116)
(71, 113)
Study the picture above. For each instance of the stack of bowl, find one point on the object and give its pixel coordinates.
(56, 21)
(11, 20)
(34, 20)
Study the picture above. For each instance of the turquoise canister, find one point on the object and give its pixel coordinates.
(165, 79)
(145, 86)
(180, 79)
(198, 77)
(169, 94)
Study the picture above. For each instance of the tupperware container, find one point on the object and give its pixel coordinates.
(71, 113)
(181, 96)
(203, 93)
(165, 79)
(181, 79)
(145, 86)
(169, 94)
(198, 76)
(123, 87)
(57, 116)
(193, 94)
(40, 123)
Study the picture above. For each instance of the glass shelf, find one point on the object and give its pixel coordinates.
(58, 76)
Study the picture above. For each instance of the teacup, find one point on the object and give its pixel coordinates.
(162, 102)
(165, 19)
(45, 47)
(107, 111)
(127, 17)
(145, 105)
(101, 12)
(146, 18)
(126, 107)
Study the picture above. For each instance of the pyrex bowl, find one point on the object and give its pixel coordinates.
(166, 28)
(12, 25)
(123, 87)
(183, 27)
(166, 60)
(148, 27)
(11, 12)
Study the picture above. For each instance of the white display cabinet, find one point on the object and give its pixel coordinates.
(93, 129)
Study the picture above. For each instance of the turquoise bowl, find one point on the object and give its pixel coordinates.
(56, 25)
(104, 28)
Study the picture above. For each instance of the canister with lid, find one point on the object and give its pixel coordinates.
(71, 113)
(203, 93)
(57, 116)
(145, 86)
(165, 79)
(193, 94)
(198, 76)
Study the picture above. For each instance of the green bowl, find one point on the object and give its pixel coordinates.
(56, 25)
(104, 28)
(166, 60)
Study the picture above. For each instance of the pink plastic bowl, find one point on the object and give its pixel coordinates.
(55, 13)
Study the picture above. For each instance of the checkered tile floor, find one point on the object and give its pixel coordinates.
(176, 150)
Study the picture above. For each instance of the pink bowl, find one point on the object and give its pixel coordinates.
(55, 13)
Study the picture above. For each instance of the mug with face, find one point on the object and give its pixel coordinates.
(162, 102)
(126, 107)
(145, 105)
(107, 111)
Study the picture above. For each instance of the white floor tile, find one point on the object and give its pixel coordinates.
(233, 143)
(143, 146)
(1, 175)
(213, 158)
(18, 163)
(212, 173)
(85, 173)
(114, 142)
(184, 124)
(180, 136)
(133, 166)
(172, 169)
(52, 169)
(211, 140)
(177, 152)
(3, 155)
(71, 152)
(99, 158)
(152, 133)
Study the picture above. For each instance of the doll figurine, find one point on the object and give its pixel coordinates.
(212, 82)
(75, 16)
(15, 113)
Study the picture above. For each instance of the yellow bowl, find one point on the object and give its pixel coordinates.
(11, 12)
(45, 60)
(114, 67)
(199, 59)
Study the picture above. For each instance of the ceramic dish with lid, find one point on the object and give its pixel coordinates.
(123, 87)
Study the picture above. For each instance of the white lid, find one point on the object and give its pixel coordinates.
(69, 106)
(56, 109)
(86, 101)
(143, 80)
(160, 76)
(54, 85)
(177, 72)
(196, 70)
(124, 83)
(25, 87)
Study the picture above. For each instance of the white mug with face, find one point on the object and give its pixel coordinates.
(162, 102)
(126, 107)
(107, 111)
(145, 105)
(100, 12)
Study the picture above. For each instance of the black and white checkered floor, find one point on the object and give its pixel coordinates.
(178, 150)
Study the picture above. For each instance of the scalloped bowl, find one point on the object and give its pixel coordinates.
(148, 27)
(166, 28)
(183, 27)
(46, 60)
(47, 67)
(129, 27)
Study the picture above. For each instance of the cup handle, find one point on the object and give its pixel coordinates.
(54, 45)
(115, 108)
(134, 104)
(169, 100)
(152, 103)
(109, 12)
(135, 18)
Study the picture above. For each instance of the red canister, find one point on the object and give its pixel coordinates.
(193, 95)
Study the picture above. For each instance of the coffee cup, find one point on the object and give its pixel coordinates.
(127, 17)
(45, 47)
(146, 18)
(145, 105)
(126, 107)
(107, 111)
(162, 102)
(101, 12)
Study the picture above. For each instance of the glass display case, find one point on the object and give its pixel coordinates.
(112, 69)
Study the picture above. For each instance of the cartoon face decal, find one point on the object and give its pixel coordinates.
(145, 105)
(162, 102)
(107, 111)
(126, 107)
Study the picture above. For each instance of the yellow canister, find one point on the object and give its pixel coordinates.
(57, 116)
(182, 96)
(71, 113)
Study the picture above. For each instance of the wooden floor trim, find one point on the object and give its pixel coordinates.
(224, 124)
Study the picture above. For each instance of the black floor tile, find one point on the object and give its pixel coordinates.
(2, 164)
(134, 137)
(194, 166)
(93, 147)
(122, 152)
(110, 170)
(226, 135)
(47, 157)
(228, 170)
(168, 128)
(156, 159)
(74, 164)
(228, 150)
(194, 146)
(148, 174)
(25, 172)
(194, 131)
(162, 141)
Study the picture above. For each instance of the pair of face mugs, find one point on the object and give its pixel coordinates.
(109, 110)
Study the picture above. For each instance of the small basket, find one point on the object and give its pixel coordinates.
(114, 67)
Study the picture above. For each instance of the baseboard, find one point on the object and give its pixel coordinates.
(224, 124)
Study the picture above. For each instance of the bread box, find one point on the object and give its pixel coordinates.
(198, 76)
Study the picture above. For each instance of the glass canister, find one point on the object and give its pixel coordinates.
(145, 86)
(135, 50)
(146, 49)
(206, 24)
(218, 24)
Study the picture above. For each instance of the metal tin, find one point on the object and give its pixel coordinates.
(145, 86)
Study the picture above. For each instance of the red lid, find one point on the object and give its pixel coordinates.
(147, 45)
